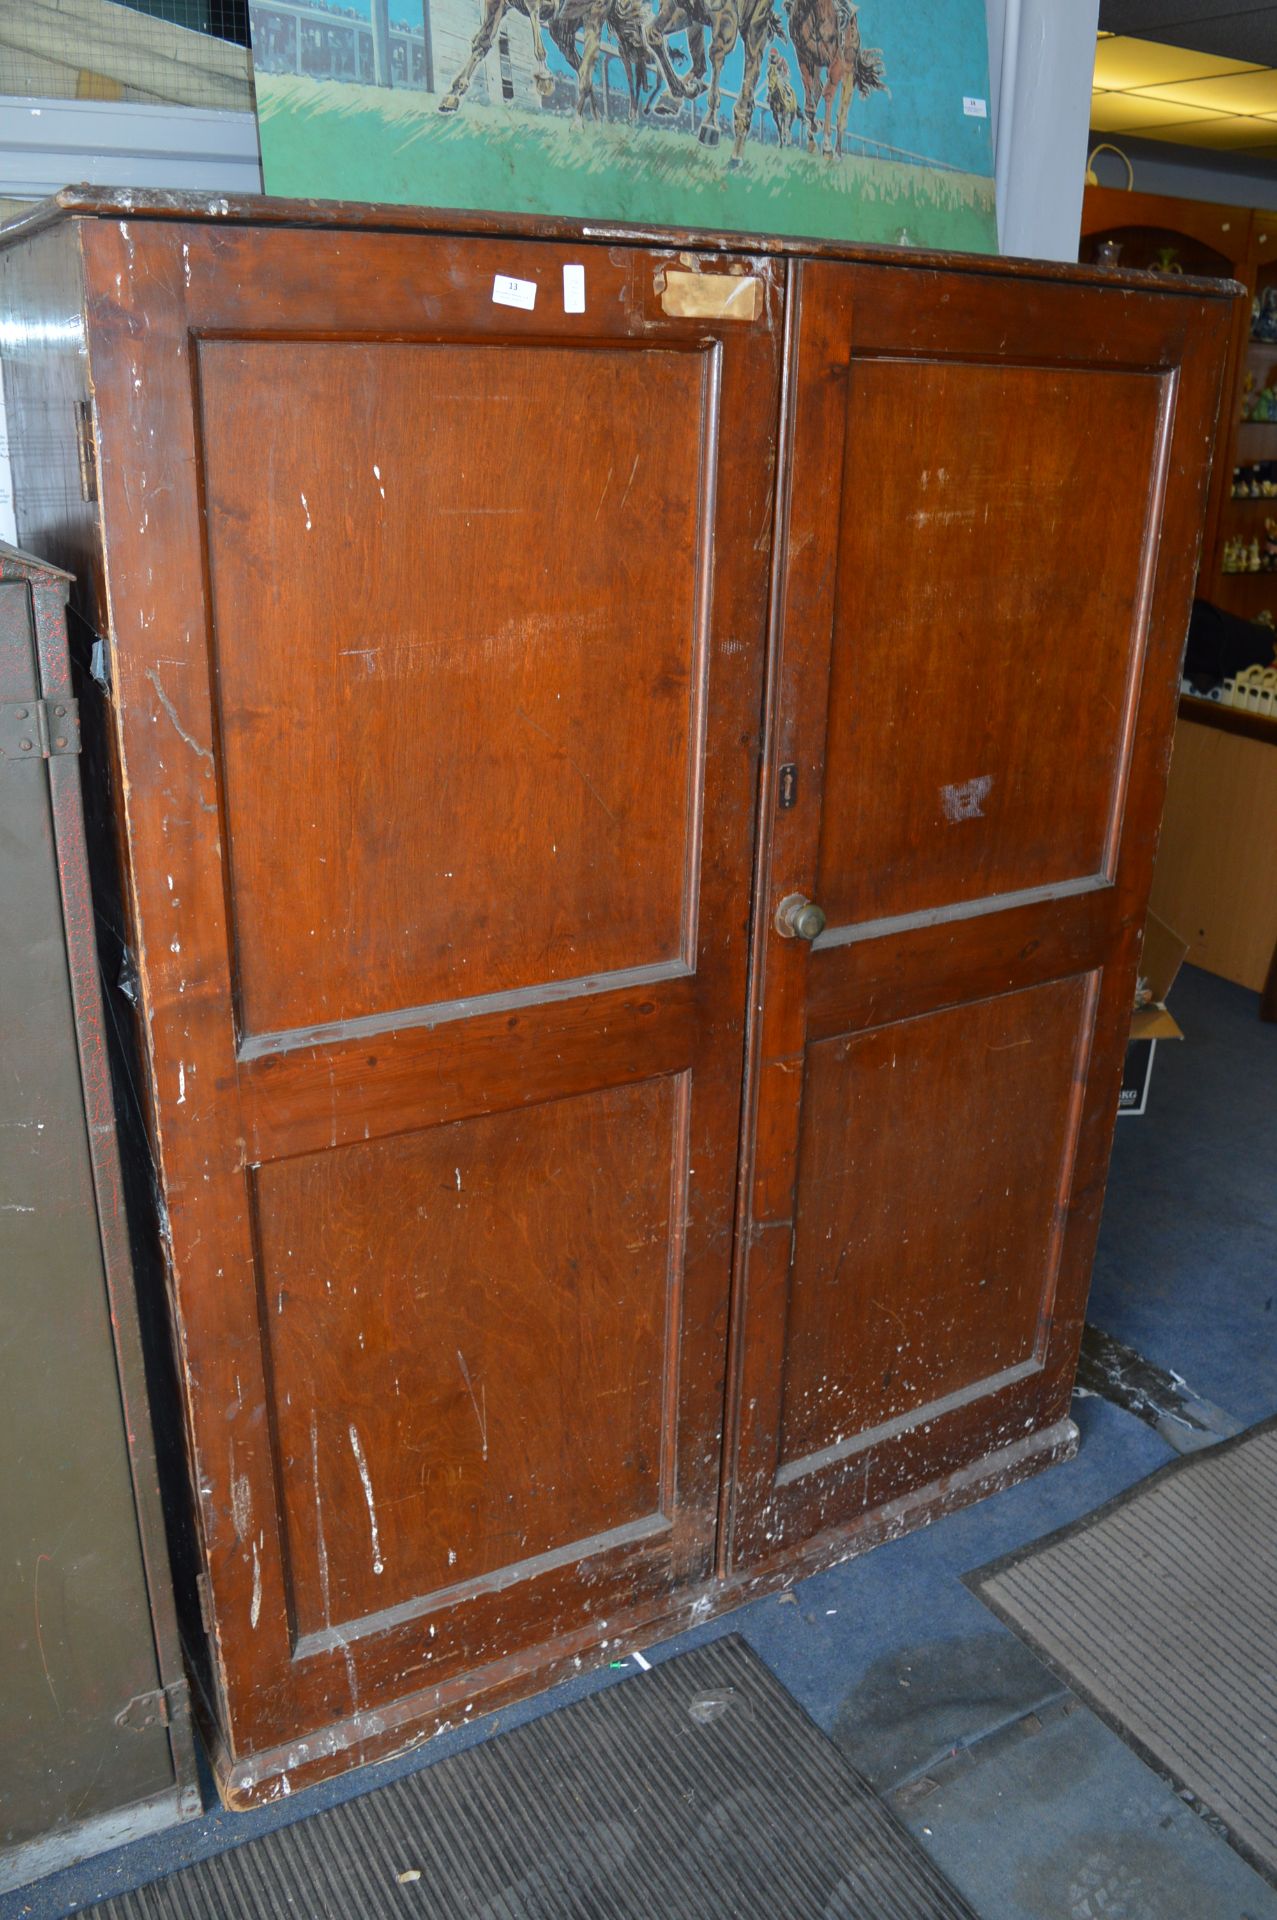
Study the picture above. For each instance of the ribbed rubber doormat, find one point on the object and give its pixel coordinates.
(696, 1791)
(1160, 1610)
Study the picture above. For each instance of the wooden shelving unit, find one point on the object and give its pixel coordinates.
(1167, 235)
(1164, 234)
(1245, 443)
(1216, 876)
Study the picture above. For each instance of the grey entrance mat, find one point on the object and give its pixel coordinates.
(1160, 1610)
(696, 1791)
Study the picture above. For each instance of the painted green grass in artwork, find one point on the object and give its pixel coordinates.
(337, 142)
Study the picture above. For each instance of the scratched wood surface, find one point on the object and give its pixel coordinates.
(935, 608)
(450, 690)
(438, 633)
(872, 1335)
(975, 683)
(482, 679)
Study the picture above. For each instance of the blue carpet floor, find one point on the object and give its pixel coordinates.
(1034, 1809)
(1187, 1265)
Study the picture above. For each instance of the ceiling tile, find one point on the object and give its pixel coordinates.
(1233, 134)
(1254, 92)
(1132, 113)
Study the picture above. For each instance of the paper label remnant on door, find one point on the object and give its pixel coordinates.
(824, 118)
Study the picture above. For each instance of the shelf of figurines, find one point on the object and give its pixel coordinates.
(1259, 400)
(1263, 318)
(1254, 690)
(1255, 482)
(1256, 555)
(1259, 404)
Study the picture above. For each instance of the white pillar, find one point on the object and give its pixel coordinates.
(1041, 59)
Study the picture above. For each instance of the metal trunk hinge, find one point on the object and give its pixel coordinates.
(39, 729)
(159, 1708)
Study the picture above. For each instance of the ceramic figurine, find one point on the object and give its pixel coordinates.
(1265, 326)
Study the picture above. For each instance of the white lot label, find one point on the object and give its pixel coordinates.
(513, 293)
(976, 109)
(574, 289)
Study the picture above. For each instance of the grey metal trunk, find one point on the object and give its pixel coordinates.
(95, 1742)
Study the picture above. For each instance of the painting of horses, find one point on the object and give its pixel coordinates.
(839, 119)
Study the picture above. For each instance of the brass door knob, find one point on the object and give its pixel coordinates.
(798, 918)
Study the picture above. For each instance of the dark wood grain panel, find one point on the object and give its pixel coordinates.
(450, 1395)
(513, 641)
(229, 211)
(420, 1073)
(938, 1146)
(956, 767)
(910, 969)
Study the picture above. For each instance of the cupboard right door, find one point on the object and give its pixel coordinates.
(983, 586)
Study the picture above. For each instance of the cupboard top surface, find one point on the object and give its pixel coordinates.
(265, 210)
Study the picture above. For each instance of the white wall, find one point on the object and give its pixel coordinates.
(1041, 59)
(1189, 173)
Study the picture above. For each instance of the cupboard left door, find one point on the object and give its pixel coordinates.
(437, 628)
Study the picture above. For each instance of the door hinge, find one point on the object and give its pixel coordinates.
(86, 447)
(39, 729)
(159, 1708)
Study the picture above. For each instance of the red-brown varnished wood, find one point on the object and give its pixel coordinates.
(384, 873)
(553, 1249)
(438, 629)
(988, 1086)
(222, 210)
(981, 634)
(1002, 782)
(425, 1444)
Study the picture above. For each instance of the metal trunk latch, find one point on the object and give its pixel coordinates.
(39, 729)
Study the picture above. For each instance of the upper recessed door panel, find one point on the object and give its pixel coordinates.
(987, 629)
(458, 691)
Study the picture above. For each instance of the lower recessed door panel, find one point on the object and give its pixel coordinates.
(454, 1411)
(922, 1280)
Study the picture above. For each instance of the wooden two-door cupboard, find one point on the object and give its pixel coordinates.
(634, 828)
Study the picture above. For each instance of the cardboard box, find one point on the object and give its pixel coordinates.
(1161, 959)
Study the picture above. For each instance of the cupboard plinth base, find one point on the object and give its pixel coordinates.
(387, 1732)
